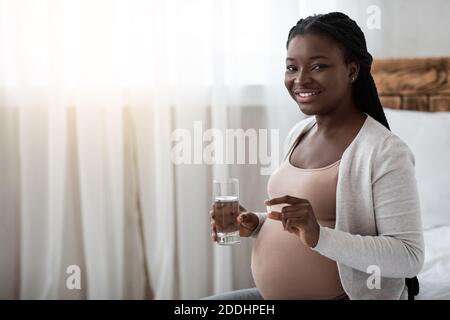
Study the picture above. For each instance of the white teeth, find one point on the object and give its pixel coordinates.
(307, 94)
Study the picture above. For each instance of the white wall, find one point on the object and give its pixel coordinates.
(409, 28)
(414, 28)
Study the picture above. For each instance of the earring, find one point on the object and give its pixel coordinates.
(353, 78)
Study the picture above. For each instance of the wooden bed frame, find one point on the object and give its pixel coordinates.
(421, 84)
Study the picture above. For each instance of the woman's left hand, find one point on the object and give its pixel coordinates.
(298, 218)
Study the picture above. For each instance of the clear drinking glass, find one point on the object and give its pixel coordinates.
(226, 202)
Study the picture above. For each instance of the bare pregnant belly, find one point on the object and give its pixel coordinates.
(284, 268)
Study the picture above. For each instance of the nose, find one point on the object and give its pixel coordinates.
(302, 77)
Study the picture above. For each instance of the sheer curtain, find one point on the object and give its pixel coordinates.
(91, 93)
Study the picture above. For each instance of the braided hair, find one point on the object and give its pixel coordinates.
(347, 34)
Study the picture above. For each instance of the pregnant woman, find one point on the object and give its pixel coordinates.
(345, 214)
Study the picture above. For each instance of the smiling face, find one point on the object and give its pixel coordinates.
(317, 77)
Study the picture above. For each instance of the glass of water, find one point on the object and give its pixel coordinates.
(226, 203)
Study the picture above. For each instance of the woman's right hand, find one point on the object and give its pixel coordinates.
(248, 222)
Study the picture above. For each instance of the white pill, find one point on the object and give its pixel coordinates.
(268, 209)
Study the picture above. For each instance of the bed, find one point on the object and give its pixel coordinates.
(415, 94)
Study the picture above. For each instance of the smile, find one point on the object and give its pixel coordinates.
(306, 94)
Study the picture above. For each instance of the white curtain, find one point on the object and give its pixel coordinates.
(91, 92)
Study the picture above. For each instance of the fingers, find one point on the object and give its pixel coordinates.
(242, 218)
(288, 216)
(284, 199)
(287, 225)
(288, 211)
(298, 216)
(292, 224)
(274, 215)
(244, 221)
(223, 217)
(217, 205)
(291, 212)
(294, 208)
(213, 231)
(213, 224)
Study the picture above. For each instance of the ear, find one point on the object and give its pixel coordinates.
(353, 71)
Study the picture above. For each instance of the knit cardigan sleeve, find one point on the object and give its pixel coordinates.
(398, 247)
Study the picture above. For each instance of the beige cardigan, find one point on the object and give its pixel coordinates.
(378, 223)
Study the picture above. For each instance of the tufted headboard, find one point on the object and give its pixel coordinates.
(421, 84)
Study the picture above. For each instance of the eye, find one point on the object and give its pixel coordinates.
(291, 69)
(318, 67)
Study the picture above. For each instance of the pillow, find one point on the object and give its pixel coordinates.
(428, 136)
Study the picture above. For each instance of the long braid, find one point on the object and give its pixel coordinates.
(346, 33)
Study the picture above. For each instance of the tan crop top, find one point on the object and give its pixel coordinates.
(282, 267)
